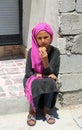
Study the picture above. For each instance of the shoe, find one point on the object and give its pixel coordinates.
(50, 119)
(31, 120)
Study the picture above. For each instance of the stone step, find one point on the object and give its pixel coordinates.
(9, 105)
(12, 98)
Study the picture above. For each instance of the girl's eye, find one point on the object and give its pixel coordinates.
(45, 37)
(39, 38)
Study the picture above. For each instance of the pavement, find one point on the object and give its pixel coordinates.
(66, 119)
(14, 106)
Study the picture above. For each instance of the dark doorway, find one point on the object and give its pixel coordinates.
(10, 22)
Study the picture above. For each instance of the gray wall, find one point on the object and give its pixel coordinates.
(70, 45)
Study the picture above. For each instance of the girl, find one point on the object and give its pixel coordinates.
(42, 69)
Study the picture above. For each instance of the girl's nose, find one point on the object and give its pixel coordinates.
(42, 40)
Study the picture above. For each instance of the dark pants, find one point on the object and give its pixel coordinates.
(47, 100)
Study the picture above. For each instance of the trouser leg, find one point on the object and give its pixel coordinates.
(48, 99)
(36, 101)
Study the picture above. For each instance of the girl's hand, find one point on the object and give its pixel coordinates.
(43, 52)
(44, 56)
(52, 76)
(39, 75)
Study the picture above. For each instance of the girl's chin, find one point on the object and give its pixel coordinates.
(44, 46)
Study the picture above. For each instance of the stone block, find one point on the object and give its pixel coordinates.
(66, 5)
(61, 44)
(13, 105)
(69, 45)
(72, 98)
(70, 23)
(71, 82)
(77, 45)
(79, 6)
(71, 64)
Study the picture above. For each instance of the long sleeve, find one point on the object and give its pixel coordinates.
(54, 62)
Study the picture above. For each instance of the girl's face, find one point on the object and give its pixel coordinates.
(43, 39)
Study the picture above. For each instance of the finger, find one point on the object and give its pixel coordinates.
(49, 76)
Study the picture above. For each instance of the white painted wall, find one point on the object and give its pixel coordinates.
(41, 11)
(26, 19)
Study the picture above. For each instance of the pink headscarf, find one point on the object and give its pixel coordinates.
(35, 56)
(36, 60)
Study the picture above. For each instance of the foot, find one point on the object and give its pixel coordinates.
(31, 120)
(49, 118)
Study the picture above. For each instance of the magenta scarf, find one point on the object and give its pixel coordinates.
(35, 58)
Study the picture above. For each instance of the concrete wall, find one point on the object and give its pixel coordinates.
(43, 11)
(70, 45)
(26, 18)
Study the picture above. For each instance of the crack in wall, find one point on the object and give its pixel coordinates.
(75, 1)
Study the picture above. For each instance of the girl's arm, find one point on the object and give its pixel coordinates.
(54, 63)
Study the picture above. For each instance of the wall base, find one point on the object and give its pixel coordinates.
(13, 50)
